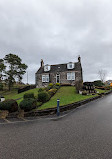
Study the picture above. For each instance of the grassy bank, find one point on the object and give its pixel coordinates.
(66, 95)
(15, 95)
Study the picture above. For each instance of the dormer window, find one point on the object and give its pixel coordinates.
(47, 68)
(70, 65)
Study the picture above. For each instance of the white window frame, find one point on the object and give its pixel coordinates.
(71, 76)
(47, 68)
(45, 78)
(70, 65)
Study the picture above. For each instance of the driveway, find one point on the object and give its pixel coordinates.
(85, 133)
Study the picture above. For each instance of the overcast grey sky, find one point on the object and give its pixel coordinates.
(58, 31)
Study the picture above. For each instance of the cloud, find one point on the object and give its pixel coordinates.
(58, 31)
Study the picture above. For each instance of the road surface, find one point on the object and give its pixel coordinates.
(86, 133)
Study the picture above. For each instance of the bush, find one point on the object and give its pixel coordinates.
(52, 91)
(84, 92)
(10, 105)
(29, 95)
(41, 89)
(1, 87)
(43, 97)
(50, 85)
(47, 88)
(57, 84)
(98, 83)
(28, 104)
(56, 87)
(107, 87)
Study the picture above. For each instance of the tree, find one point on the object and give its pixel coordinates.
(102, 75)
(15, 68)
(2, 68)
(79, 85)
(21, 70)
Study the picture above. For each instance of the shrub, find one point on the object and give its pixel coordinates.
(10, 105)
(56, 87)
(29, 95)
(41, 89)
(107, 87)
(98, 83)
(47, 88)
(43, 97)
(1, 87)
(84, 92)
(28, 104)
(50, 85)
(52, 91)
(58, 84)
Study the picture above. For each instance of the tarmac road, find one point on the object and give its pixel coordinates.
(86, 133)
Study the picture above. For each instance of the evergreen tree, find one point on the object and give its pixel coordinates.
(2, 68)
(15, 68)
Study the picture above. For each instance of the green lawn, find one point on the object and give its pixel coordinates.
(8, 94)
(66, 95)
(15, 95)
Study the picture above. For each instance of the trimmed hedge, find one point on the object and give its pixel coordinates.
(26, 88)
(43, 97)
(10, 105)
(29, 95)
(28, 104)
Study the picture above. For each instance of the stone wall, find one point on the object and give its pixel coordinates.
(63, 78)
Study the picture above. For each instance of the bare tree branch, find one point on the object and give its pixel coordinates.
(102, 75)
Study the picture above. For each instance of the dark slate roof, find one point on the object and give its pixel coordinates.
(88, 83)
(60, 68)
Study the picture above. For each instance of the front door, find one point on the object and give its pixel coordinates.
(57, 78)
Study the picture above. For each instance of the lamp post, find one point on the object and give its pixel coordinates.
(58, 109)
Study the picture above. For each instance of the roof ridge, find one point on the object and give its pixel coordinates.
(62, 64)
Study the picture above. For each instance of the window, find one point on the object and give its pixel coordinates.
(45, 78)
(71, 76)
(46, 68)
(70, 65)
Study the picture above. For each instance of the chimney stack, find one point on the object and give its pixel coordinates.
(42, 63)
(79, 58)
